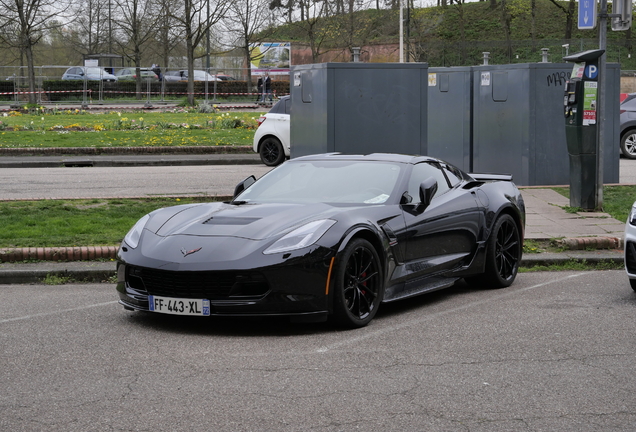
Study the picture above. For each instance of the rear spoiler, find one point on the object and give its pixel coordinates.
(491, 177)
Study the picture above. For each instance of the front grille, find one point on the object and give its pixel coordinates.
(212, 285)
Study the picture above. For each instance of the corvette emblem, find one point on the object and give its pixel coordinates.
(190, 252)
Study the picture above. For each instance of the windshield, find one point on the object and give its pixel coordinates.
(351, 182)
(95, 71)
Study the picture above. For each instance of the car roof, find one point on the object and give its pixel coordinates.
(377, 157)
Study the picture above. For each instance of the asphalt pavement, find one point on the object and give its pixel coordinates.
(586, 236)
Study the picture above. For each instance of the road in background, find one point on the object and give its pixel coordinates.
(103, 182)
(553, 352)
(95, 182)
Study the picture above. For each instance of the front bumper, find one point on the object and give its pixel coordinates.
(290, 289)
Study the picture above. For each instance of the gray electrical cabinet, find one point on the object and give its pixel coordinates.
(359, 108)
(518, 122)
(449, 115)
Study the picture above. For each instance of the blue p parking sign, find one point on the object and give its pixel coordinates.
(591, 71)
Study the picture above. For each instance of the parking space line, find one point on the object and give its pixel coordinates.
(426, 317)
(2, 321)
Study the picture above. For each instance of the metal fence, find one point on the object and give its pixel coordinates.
(52, 86)
(216, 86)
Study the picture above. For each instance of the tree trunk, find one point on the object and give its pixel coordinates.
(190, 87)
(31, 69)
(569, 22)
(533, 28)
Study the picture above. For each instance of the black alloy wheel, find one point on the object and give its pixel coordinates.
(271, 152)
(503, 255)
(358, 284)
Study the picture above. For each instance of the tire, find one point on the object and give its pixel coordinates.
(628, 144)
(271, 152)
(359, 286)
(503, 255)
(632, 283)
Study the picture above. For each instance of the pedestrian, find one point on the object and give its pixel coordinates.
(267, 87)
(157, 70)
(259, 89)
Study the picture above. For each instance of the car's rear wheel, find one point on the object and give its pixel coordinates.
(628, 145)
(271, 152)
(632, 283)
(503, 255)
(358, 284)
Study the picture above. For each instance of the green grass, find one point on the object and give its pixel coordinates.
(116, 129)
(617, 200)
(577, 265)
(96, 222)
(127, 138)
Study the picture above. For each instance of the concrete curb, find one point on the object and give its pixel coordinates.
(126, 157)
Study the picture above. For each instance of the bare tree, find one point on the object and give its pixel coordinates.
(569, 15)
(23, 23)
(195, 19)
(287, 6)
(248, 21)
(90, 28)
(313, 27)
(137, 20)
(167, 36)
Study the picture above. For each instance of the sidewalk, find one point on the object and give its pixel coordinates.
(584, 236)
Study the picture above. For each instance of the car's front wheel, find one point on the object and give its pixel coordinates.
(358, 287)
(628, 145)
(632, 283)
(271, 152)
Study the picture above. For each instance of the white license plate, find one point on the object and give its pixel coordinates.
(179, 306)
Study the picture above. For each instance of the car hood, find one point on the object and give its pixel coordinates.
(248, 221)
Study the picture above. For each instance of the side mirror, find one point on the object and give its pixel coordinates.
(244, 185)
(428, 188)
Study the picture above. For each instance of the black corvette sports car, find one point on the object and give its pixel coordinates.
(326, 236)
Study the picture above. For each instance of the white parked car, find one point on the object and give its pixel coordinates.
(271, 140)
(630, 247)
(182, 75)
(88, 73)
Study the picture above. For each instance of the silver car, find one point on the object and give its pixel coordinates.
(88, 73)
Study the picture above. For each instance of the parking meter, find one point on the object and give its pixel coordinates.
(580, 109)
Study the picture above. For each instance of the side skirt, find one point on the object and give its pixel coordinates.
(414, 288)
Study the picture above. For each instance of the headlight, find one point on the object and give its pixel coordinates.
(301, 237)
(632, 215)
(133, 236)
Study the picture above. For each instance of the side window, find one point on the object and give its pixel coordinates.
(287, 105)
(277, 108)
(453, 174)
(421, 172)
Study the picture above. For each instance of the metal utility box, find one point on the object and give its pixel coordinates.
(518, 122)
(359, 108)
(449, 115)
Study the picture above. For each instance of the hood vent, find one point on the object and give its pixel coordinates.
(221, 220)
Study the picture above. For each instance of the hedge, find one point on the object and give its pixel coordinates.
(55, 89)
